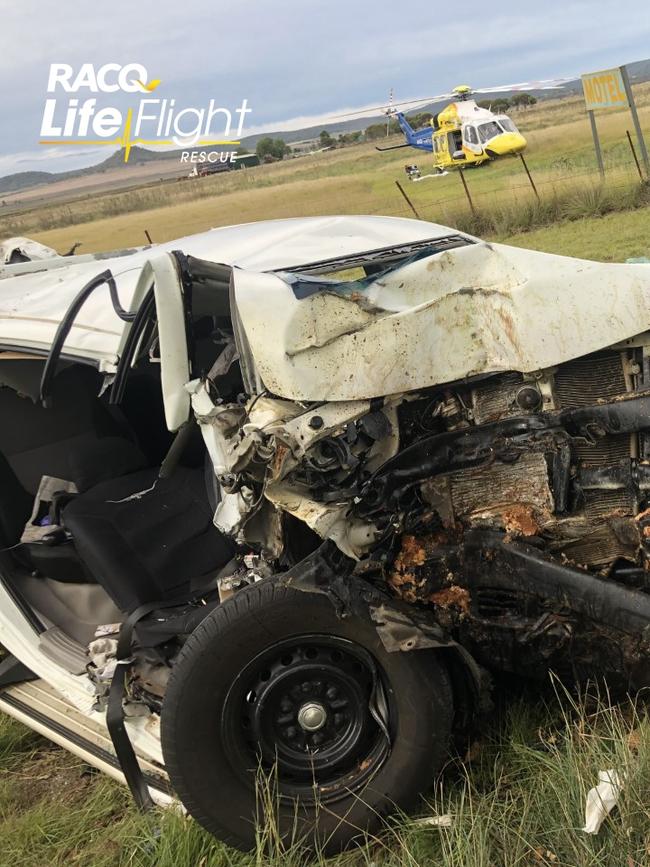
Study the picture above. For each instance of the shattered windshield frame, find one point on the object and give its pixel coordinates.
(306, 280)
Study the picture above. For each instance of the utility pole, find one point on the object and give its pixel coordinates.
(389, 113)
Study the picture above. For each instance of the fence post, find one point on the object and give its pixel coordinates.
(530, 177)
(408, 201)
(638, 167)
(466, 188)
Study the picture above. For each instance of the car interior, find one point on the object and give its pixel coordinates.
(108, 532)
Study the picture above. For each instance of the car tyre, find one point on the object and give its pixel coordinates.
(273, 681)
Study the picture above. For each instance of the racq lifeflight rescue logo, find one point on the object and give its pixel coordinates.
(78, 111)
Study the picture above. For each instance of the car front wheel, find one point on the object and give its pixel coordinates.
(277, 706)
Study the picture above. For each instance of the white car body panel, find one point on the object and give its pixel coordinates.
(42, 708)
(425, 323)
(463, 312)
(20, 639)
(175, 372)
(25, 247)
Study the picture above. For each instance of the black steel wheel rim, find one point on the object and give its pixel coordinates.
(315, 712)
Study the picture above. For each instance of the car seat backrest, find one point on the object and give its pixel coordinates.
(147, 538)
(68, 439)
(15, 506)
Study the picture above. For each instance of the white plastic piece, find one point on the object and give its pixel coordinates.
(444, 821)
(602, 799)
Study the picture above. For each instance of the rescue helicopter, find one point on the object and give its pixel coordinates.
(463, 133)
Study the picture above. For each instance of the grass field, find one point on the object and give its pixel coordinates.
(610, 238)
(515, 798)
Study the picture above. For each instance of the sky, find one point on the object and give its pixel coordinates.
(297, 58)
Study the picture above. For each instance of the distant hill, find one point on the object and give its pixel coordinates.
(139, 155)
(21, 180)
(639, 71)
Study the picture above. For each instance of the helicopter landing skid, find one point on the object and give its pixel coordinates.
(424, 177)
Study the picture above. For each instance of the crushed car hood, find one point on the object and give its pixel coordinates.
(35, 296)
(439, 317)
(476, 309)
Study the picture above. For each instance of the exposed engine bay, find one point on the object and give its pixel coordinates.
(423, 489)
(463, 498)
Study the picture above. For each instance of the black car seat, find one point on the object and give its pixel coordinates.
(78, 440)
(140, 548)
(146, 538)
(15, 506)
(66, 439)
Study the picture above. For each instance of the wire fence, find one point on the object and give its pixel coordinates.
(513, 203)
(505, 198)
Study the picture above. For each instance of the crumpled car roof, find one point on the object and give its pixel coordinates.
(33, 304)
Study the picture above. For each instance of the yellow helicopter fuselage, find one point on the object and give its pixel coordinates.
(464, 134)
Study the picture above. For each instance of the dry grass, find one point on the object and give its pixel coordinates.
(516, 799)
(354, 180)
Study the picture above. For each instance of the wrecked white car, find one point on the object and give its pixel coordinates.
(274, 497)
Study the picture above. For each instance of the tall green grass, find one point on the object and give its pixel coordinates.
(566, 202)
(515, 800)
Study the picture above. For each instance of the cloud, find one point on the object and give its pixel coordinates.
(45, 159)
(293, 59)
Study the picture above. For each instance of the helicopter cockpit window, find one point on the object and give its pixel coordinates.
(471, 136)
(507, 125)
(488, 130)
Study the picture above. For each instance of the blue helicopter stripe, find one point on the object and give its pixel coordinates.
(421, 138)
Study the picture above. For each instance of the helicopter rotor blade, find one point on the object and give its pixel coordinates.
(385, 109)
(544, 84)
(404, 105)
